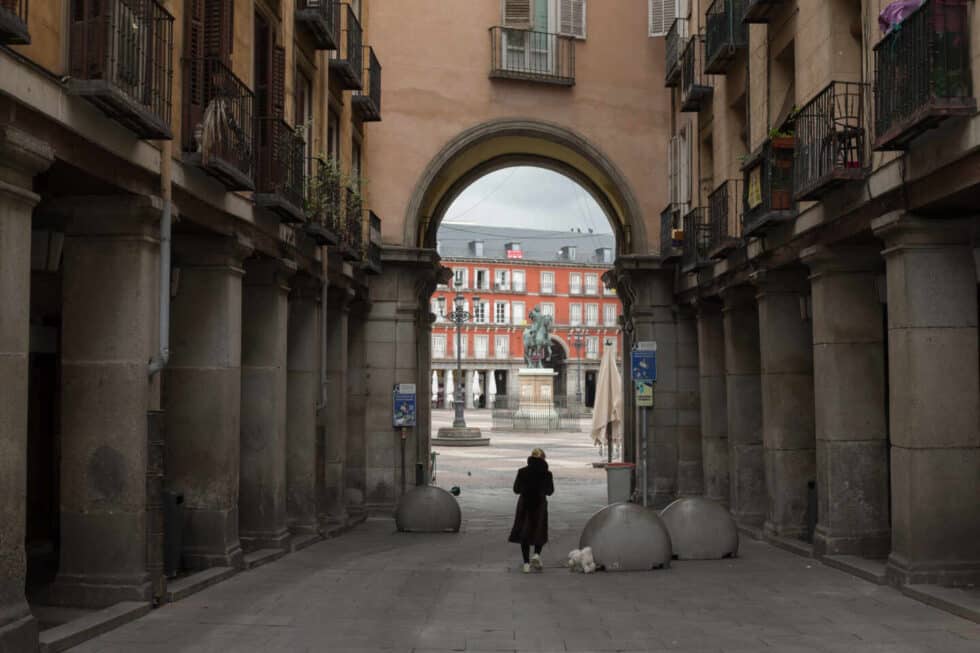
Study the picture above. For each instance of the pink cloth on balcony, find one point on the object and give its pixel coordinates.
(896, 12)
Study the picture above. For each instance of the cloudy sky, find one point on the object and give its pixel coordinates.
(528, 197)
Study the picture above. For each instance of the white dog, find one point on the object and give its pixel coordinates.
(581, 560)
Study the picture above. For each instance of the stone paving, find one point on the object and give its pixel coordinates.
(376, 590)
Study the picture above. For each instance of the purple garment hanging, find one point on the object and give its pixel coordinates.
(896, 12)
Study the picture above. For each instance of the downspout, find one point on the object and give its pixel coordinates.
(322, 404)
(159, 361)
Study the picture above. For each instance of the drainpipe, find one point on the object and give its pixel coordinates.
(159, 361)
(323, 342)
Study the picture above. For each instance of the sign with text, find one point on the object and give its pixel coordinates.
(644, 393)
(403, 405)
(515, 253)
(644, 362)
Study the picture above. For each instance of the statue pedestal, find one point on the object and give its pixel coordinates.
(536, 410)
(454, 436)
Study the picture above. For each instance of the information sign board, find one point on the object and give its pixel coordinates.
(644, 394)
(403, 405)
(644, 362)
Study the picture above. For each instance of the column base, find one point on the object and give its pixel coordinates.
(865, 545)
(938, 572)
(265, 540)
(19, 635)
(199, 561)
(211, 539)
(91, 592)
(305, 527)
(783, 531)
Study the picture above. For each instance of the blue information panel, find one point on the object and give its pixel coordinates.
(403, 405)
(644, 365)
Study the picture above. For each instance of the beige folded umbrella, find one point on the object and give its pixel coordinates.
(607, 415)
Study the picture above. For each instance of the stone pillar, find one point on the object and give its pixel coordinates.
(786, 348)
(355, 463)
(690, 469)
(849, 401)
(202, 396)
(934, 407)
(109, 333)
(714, 411)
(262, 502)
(303, 391)
(21, 157)
(468, 389)
(743, 399)
(333, 504)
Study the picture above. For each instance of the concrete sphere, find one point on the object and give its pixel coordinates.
(627, 537)
(428, 509)
(700, 529)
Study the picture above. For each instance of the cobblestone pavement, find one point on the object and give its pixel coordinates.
(377, 590)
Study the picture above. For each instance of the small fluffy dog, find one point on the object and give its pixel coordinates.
(581, 560)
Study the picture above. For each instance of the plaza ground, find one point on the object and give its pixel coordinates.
(375, 590)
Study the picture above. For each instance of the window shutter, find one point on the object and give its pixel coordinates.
(219, 23)
(278, 82)
(517, 14)
(506, 313)
(571, 18)
(661, 16)
(193, 50)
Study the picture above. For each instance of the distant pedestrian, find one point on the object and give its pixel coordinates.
(534, 484)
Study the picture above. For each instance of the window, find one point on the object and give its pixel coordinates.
(517, 310)
(592, 314)
(575, 283)
(460, 277)
(661, 15)
(609, 315)
(481, 346)
(571, 18)
(548, 282)
(481, 279)
(438, 345)
(355, 163)
(501, 313)
(434, 307)
(501, 346)
(575, 314)
(548, 309)
(592, 284)
(481, 312)
(609, 291)
(592, 346)
(333, 134)
(501, 280)
(303, 111)
(518, 279)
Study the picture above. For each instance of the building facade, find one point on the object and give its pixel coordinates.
(512, 271)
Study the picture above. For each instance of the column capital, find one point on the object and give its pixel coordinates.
(340, 297)
(848, 259)
(21, 157)
(305, 287)
(107, 216)
(217, 251)
(263, 271)
(780, 281)
(902, 230)
(737, 297)
(704, 306)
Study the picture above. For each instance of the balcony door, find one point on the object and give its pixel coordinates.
(532, 51)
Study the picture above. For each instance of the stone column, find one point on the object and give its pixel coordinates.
(743, 399)
(109, 333)
(467, 389)
(690, 469)
(934, 408)
(21, 157)
(786, 348)
(262, 502)
(849, 401)
(202, 396)
(303, 391)
(355, 463)
(333, 504)
(714, 410)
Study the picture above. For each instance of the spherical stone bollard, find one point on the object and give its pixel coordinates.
(428, 509)
(627, 537)
(700, 529)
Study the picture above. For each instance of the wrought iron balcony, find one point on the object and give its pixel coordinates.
(352, 233)
(348, 62)
(324, 197)
(218, 123)
(673, 48)
(532, 56)
(725, 35)
(372, 253)
(831, 147)
(322, 19)
(697, 240)
(120, 60)
(767, 185)
(281, 170)
(724, 205)
(761, 11)
(13, 22)
(368, 104)
(671, 233)
(696, 89)
(922, 73)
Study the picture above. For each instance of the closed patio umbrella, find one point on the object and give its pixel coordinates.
(450, 389)
(607, 416)
(476, 388)
(491, 388)
(435, 386)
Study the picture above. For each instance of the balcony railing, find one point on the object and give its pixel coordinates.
(922, 73)
(120, 59)
(673, 47)
(218, 124)
(695, 87)
(761, 11)
(324, 197)
(532, 56)
(697, 240)
(352, 234)
(671, 233)
(322, 19)
(831, 147)
(372, 252)
(368, 104)
(724, 205)
(348, 62)
(725, 35)
(281, 170)
(13, 22)
(768, 185)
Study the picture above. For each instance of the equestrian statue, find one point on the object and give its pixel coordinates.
(537, 338)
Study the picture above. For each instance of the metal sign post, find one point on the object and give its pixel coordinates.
(643, 369)
(403, 412)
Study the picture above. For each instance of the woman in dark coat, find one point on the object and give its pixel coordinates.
(534, 484)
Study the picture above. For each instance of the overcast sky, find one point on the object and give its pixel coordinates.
(529, 198)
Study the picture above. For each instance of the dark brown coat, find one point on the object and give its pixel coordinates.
(534, 484)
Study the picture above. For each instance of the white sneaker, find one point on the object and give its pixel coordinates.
(526, 569)
(536, 562)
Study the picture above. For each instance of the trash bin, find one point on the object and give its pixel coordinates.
(173, 529)
(619, 481)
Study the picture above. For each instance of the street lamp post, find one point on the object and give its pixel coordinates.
(578, 340)
(459, 316)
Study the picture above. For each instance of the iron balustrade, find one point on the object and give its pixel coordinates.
(695, 89)
(726, 220)
(767, 185)
(922, 73)
(324, 197)
(532, 56)
(348, 62)
(368, 104)
(352, 237)
(280, 183)
(725, 34)
(670, 227)
(830, 140)
(218, 122)
(120, 59)
(673, 47)
(697, 239)
(761, 11)
(322, 19)
(372, 258)
(13, 22)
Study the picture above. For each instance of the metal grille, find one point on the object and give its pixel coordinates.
(695, 89)
(768, 185)
(724, 34)
(348, 62)
(353, 232)
(13, 22)
(369, 104)
(324, 195)
(282, 161)
(830, 140)
(726, 223)
(322, 17)
(697, 238)
(532, 56)
(673, 47)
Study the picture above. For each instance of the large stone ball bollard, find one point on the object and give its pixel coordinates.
(627, 537)
(428, 509)
(700, 529)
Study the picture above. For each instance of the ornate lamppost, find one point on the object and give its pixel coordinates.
(578, 341)
(458, 316)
